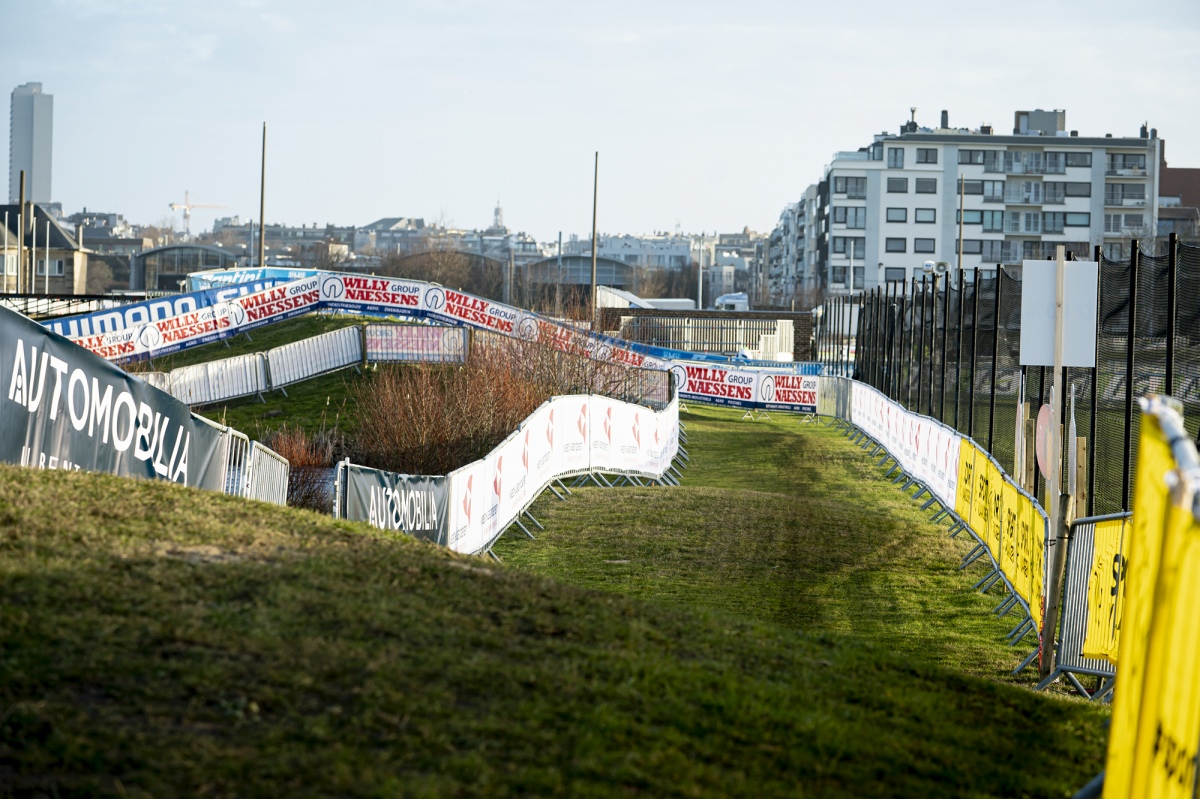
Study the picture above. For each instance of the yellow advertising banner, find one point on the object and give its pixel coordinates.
(981, 503)
(1036, 535)
(1141, 571)
(1106, 590)
(1164, 760)
(966, 482)
(995, 507)
(1016, 539)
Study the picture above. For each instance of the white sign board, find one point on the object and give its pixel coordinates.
(1079, 313)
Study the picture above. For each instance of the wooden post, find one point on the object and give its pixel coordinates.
(1056, 561)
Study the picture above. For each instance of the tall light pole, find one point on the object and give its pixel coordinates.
(262, 203)
(595, 196)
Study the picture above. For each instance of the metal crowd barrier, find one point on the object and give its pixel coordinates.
(415, 343)
(224, 379)
(1076, 610)
(267, 477)
(327, 352)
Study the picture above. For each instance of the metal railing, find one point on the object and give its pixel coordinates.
(267, 476)
(310, 357)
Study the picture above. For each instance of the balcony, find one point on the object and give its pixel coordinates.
(1114, 201)
(1126, 172)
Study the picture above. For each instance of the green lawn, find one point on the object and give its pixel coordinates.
(783, 523)
(158, 641)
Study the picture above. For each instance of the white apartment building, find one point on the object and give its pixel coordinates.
(882, 211)
(657, 251)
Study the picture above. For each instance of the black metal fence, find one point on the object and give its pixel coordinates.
(949, 348)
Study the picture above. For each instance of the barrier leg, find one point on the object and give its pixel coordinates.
(564, 488)
(1012, 603)
(903, 474)
(943, 513)
(958, 527)
(991, 580)
(932, 499)
(1019, 632)
(1025, 663)
(1044, 684)
(920, 490)
(1093, 790)
(524, 529)
(554, 491)
(886, 457)
(972, 556)
(748, 414)
(495, 557)
(1071, 678)
(535, 521)
(1105, 689)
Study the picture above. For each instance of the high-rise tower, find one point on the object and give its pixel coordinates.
(30, 141)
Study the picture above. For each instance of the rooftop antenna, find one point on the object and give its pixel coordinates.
(913, 112)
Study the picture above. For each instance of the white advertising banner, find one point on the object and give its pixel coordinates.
(925, 448)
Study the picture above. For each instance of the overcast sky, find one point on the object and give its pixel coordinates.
(707, 115)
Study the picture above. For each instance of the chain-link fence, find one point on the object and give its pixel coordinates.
(949, 348)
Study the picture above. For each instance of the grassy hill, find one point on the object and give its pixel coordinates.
(784, 523)
(157, 641)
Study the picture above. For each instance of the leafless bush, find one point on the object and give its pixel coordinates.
(311, 456)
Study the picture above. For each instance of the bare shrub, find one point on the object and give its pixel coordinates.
(312, 456)
(433, 419)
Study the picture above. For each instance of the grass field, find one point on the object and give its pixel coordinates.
(783, 523)
(326, 400)
(156, 641)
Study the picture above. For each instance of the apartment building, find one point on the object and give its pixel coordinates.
(881, 211)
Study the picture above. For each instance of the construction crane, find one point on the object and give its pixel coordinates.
(186, 206)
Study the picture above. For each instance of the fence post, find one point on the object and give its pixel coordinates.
(958, 354)
(1091, 488)
(912, 341)
(1129, 346)
(995, 352)
(932, 333)
(945, 332)
(920, 359)
(974, 353)
(859, 374)
(1172, 267)
(899, 359)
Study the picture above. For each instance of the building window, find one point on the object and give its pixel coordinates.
(970, 217)
(1055, 163)
(971, 187)
(895, 158)
(1033, 221)
(926, 216)
(56, 267)
(10, 264)
(860, 277)
(1079, 159)
(895, 274)
(993, 221)
(926, 185)
(895, 245)
(924, 245)
(1126, 161)
(970, 157)
(992, 251)
(855, 188)
(857, 246)
(839, 276)
(1053, 221)
(971, 246)
(897, 185)
(993, 191)
(839, 215)
(926, 155)
(1078, 220)
(1054, 192)
(1118, 193)
(1078, 189)
(856, 218)
(897, 214)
